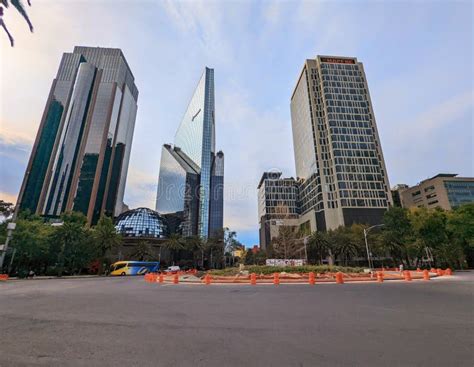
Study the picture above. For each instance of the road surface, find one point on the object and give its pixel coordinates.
(128, 322)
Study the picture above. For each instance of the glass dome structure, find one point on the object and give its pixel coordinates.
(141, 222)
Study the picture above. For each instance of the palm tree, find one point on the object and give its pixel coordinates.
(106, 238)
(320, 246)
(197, 246)
(18, 5)
(344, 245)
(143, 251)
(174, 244)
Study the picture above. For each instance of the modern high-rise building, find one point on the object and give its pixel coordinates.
(81, 153)
(445, 190)
(191, 179)
(339, 162)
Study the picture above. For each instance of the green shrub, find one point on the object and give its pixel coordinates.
(287, 269)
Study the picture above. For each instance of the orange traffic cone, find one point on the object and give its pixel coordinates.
(176, 279)
(426, 275)
(312, 278)
(276, 278)
(379, 277)
(207, 279)
(339, 278)
(407, 275)
(418, 270)
(253, 279)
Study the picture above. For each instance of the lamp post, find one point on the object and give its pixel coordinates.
(366, 231)
(10, 228)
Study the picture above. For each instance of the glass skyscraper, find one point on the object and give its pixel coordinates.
(81, 153)
(190, 185)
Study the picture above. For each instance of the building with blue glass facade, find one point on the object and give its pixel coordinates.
(80, 156)
(445, 190)
(191, 178)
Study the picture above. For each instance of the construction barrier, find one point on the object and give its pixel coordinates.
(407, 275)
(291, 278)
(253, 279)
(426, 275)
(3, 277)
(276, 278)
(379, 277)
(339, 278)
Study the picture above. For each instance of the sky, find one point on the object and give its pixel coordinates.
(418, 58)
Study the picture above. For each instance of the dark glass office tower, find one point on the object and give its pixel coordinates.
(195, 144)
(80, 157)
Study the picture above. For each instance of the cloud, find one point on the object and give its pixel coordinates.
(141, 189)
(14, 154)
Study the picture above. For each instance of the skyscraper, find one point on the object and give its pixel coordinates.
(338, 156)
(195, 207)
(80, 156)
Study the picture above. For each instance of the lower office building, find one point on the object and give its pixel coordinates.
(277, 206)
(446, 191)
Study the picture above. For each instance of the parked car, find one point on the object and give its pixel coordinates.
(172, 269)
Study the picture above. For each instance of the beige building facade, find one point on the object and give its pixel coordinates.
(338, 155)
(446, 191)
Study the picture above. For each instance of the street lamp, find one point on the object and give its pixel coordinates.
(366, 231)
(10, 228)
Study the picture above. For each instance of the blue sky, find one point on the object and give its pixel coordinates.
(418, 57)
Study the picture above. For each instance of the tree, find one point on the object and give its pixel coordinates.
(397, 233)
(106, 238)
(343, 243)
(289, 243)
(6, 209)
(20, 8)
(319, 247)
(72, 242)
(460, 227)
(175, 243)
(143, 252)
(31, 245)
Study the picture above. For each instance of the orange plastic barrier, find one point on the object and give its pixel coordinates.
(339, 278)
(276, 278)
(3, 277)
(426, 275)
(253, 279)
(311, 279)
(207, 279)
(161, 278)
(379, 277)
(176, 279)
(440, 272)
(448, 271)
(407, 275)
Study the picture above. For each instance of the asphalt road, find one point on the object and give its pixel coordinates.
(128, 322)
